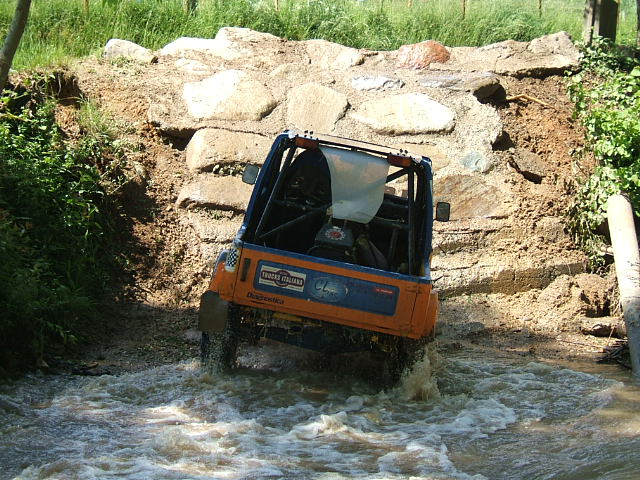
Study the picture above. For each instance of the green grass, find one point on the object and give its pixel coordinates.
(59, 30)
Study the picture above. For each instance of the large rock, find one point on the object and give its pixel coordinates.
(210, 146)
(478, 127)
(246, 35)
(546, 55)
(567, 300)
(224, 193)
(476, 162)
(192, 66)
(230, 43)
(439, 159)
(378, 83)
(411, 113)
(188, 47)
(463, 273)
(421, 55)
(228, 95)
(332, 56)
(210, 229)
(116, 48)
(471, 196)
(315, 107)
(481, 84)
(162, 115)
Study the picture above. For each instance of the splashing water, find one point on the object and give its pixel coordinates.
(478, 417)
(419, 383)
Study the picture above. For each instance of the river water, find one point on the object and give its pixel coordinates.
(480, 416)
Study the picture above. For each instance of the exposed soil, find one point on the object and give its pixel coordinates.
(152, 317)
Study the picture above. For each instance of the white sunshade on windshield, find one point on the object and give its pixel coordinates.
(357, 183)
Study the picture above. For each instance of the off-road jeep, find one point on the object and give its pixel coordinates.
(333, 254)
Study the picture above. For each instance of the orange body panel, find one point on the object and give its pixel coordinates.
(412, 314)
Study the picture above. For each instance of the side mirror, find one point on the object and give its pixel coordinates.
(250, 173)
(443, 211)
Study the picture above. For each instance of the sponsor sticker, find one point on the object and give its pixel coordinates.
(383, 291)
(282, 278)
(264, 298)
(278, 280)
(328, 289)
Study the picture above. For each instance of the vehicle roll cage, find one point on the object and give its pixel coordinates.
(419, 206)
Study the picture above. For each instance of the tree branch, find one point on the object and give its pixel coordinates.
(13, 40)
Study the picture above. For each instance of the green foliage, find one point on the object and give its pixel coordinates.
(607, 102)
(56, 225)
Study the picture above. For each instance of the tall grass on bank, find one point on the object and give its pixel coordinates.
(57, 225)
(59, 29)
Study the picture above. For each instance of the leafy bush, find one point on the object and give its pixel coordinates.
(607, 98)
(56, 223)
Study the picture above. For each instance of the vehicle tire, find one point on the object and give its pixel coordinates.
(405, 353)
(218, 350)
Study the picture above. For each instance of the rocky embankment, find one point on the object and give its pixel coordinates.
(495, 121)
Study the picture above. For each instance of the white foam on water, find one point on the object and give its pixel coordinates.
(179, 422)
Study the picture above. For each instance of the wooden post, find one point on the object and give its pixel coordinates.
(189, 5)
(277, 5)
(464, 8)
(601, 19)
(86, 7)
(638, 23)
(589, 15)
(540, 8)
(608, 19)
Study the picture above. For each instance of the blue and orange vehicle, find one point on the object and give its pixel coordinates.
(333, 254)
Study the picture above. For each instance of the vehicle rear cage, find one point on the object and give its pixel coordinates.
(410, 165)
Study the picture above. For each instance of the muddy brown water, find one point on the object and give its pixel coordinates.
(481, 416)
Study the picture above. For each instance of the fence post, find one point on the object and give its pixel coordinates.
(638, 23)
(189, 5)
(600, 18)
